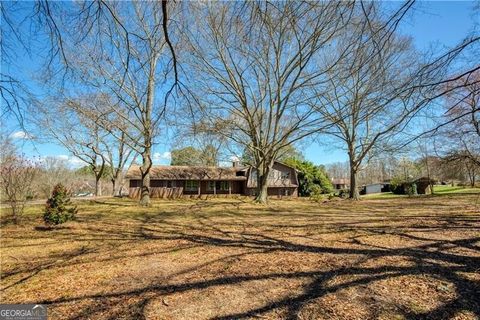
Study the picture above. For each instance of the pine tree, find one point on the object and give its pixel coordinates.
(57, 210)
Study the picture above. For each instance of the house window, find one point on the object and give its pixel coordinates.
(217, 185)
(191, 185)
(224, 185)
(156, 183)
(135, 183)
(210, 185)
(285, 175)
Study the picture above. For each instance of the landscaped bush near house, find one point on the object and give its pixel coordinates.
(344, 193)
(316, 193)
(58, 210)
(312, 179)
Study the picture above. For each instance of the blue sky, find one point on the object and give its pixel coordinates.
(436, 24)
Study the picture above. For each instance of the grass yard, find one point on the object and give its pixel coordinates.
(439, 190)
(400, 258)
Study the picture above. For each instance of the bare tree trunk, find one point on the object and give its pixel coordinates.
(354, 195)
(113, 187)
(117, 186)
(430, 181)
(262, 184)
(262, 189)
(98, 185)
(471, 174)
(14, 213)
(147, 164)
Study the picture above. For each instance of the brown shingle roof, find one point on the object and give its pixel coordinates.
(187, 173)
(341, 181)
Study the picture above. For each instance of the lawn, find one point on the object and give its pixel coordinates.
(401, 258)
(439, 190)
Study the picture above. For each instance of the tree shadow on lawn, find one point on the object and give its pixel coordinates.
(434, 258)
(468, 291)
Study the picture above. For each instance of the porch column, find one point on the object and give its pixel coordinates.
(199, 186)
(214, 187)
(230, 187)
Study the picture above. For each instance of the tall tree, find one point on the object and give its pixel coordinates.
(255, 69)
(381, 87)
(188, 156)
(81, 136)
(462, 119)
(118, 155)
(191, 156)
(127, 55)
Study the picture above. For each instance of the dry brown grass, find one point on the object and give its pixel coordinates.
(228, 259)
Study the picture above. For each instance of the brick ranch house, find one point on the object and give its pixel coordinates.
(178, 181)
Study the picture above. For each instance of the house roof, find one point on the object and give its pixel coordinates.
(340, 181)
(188, 173)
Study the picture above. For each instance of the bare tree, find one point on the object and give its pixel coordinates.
(127, 55)
(338, 170)
(381, 87)
(118, 155)
(456, 135)
(85, 139)
(52, 171)
(462, 118)
(15, 95)
(254, 72)
(17, 174)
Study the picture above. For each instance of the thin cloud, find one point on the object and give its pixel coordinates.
(21, 135)
(157, 156)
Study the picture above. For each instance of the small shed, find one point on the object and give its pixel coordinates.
(423, 185)
(372, 188)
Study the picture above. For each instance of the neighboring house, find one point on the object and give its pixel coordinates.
(375, 188)
(339, 184)
(176, 181)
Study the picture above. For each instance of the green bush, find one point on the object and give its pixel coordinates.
(57, 210)
(316, 193)
(402, 186)
(411, 188)
(312, 179)
(397, 186)
(344, 193)
(315, 190)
